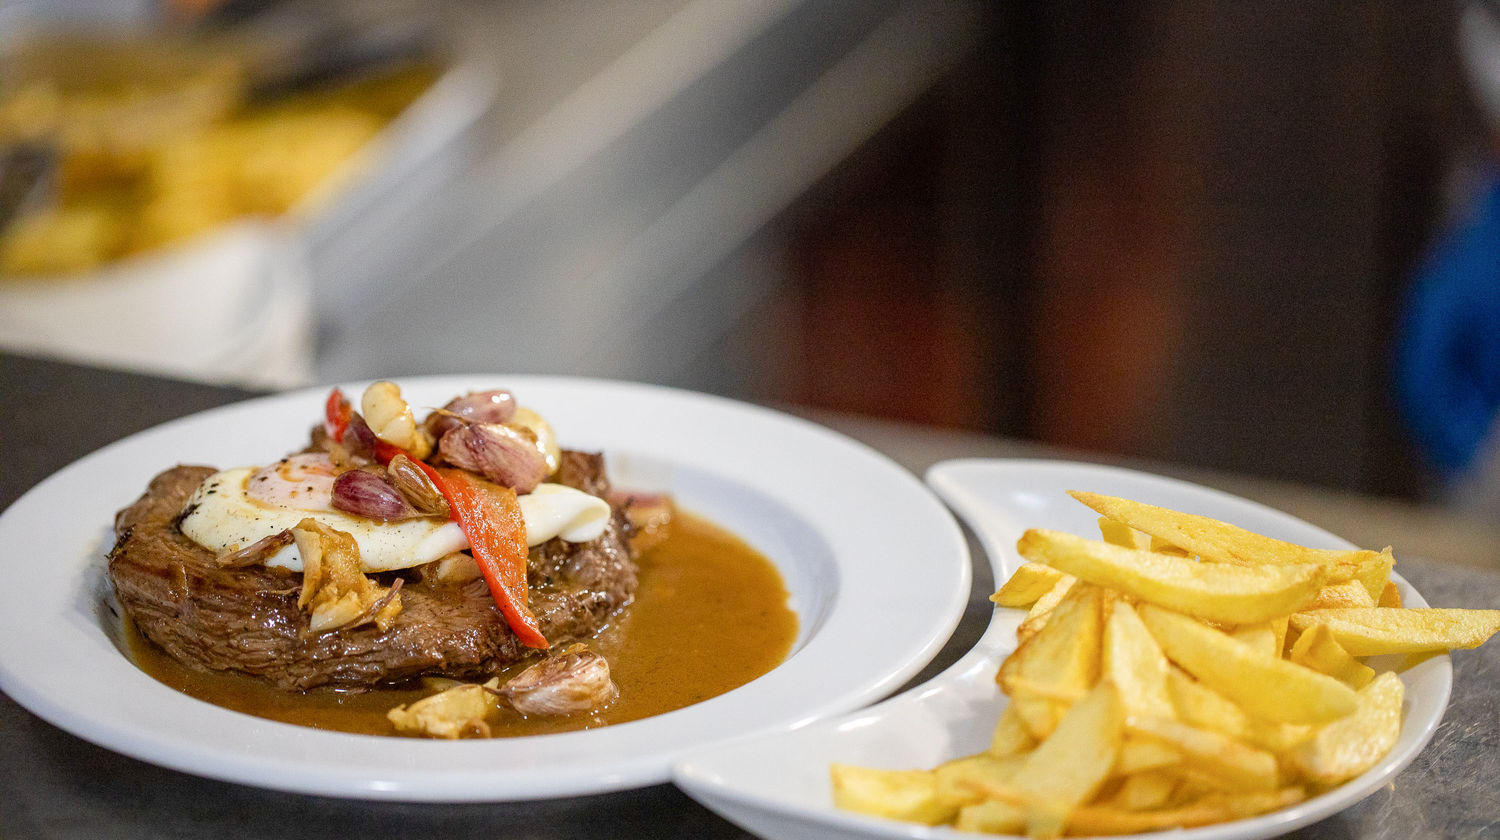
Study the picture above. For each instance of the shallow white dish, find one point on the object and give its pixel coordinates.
(851, 532)
(778, 786)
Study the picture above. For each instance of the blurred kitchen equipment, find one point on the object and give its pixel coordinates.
(234, 303)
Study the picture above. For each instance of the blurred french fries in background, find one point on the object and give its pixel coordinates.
(1182, 672)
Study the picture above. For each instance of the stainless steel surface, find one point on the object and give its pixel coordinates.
(58, 786)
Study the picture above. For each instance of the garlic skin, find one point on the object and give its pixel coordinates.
(569, 683)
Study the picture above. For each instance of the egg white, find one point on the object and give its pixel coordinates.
(222, 517)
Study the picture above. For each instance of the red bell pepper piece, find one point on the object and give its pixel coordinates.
(491, 519)
(336, 414)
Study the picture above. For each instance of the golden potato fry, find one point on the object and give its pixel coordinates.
(1161, 546)
(1120, 534)
(957, 780)
(1241, 766)
(1140, 754)
(1037, 617)
(1234, 594)
(1062, 658)
(1200, 706)
(1135, 663)
(909, 795)
(1145, 790)
(1263, 686)
(1390, 596)
(1350, 593)
(1261, 637)
(1027, 585)
(1376, 630)
(1212, 539)
(1214, 808)
(991, 817)
(1345, 748)
(1375, 572)
(1066, 769)
(1279, 627)
(1319, 650)
(1011, 737)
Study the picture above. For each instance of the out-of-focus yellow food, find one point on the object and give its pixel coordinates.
(157, 141)
(1202, 675)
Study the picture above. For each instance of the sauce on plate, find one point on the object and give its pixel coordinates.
(710, 614)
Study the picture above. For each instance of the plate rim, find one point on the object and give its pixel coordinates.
(130, 738)
(697, 783)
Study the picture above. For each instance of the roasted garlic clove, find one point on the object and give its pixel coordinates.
(455, 712)
(391, 419)
(541, 431)
(572, 682)
(335, 592)
(502, 454)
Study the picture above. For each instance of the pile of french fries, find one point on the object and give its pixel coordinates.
(1180, 672)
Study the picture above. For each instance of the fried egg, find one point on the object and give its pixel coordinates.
(224, 515)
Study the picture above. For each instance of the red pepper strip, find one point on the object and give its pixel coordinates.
(336, 413)
(491, 519)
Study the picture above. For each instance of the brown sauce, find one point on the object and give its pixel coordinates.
(710, 614)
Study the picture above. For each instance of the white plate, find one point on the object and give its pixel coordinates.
(877, 570)
(778, 786)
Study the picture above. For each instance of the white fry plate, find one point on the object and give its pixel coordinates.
(778, 786)
(877, 570)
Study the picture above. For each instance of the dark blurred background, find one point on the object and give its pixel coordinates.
(1173, 230)
(1166, 229)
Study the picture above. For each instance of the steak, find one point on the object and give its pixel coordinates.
(247, 620)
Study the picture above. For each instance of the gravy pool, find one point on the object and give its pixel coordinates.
(710, 614)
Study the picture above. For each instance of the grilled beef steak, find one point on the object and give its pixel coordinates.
(247, 619)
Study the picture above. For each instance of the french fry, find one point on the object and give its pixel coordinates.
(1242, 767)
(1140, 754)
(1266, 687)
(909, 795)
(1228, 593)
(1099, 819)
(956, 779)
(1319, 650)
(1135, 663)
(1261, 637)
(1120, 534)
(1037, 617)
(1279, 627)
(1068, 767)
(1200, 706)
(1390, 596)
(1061, 659)
(1029, 583)
(1145, 790)
(1161, 546)
(1345, 748)
(1350, 593)
(991, 817)
(1011, 737)
(1378, 630)
(1210, 538)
